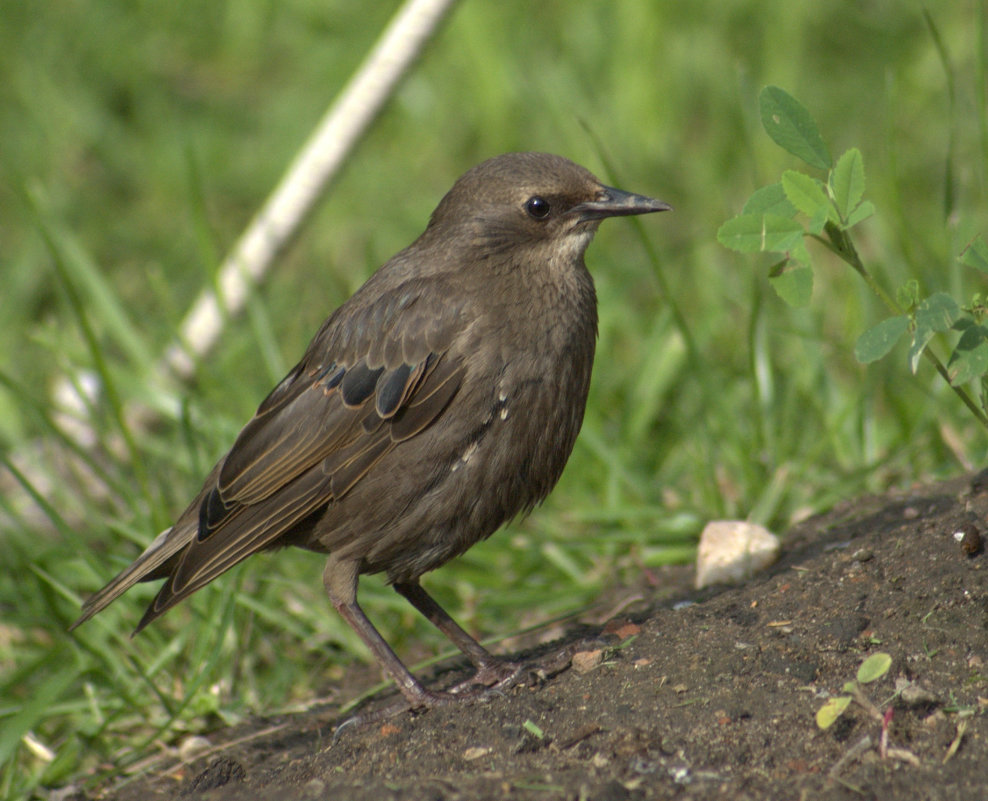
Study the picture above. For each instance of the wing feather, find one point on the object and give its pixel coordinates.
(377, 373)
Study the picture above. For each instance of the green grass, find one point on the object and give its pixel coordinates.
(137, 140)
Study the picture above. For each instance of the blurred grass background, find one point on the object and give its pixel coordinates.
(136, 141)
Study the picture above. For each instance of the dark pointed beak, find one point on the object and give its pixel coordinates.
(611, 202)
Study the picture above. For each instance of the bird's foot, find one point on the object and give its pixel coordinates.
(489, 681)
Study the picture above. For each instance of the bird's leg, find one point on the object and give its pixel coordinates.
(491, 671)
(340, 580)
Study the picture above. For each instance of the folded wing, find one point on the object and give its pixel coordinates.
(373, 377)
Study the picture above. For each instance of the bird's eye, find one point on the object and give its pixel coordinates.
(537, 207)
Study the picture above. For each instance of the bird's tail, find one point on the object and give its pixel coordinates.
(156, 561)
(147, 566)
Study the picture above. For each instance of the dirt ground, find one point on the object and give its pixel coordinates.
(712, 699)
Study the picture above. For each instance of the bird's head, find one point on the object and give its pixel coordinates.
(532, 199)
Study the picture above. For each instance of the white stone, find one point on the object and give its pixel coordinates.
(731, 551)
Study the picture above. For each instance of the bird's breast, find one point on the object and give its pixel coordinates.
(532, 387)
(502, 442)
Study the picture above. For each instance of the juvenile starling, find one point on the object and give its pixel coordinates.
(438, 402)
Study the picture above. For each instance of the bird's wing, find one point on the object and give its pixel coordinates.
(376, 374)
(374, 371)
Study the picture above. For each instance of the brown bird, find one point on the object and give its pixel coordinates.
(438, 402)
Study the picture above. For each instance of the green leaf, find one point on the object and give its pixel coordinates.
(742, 233)
(792, 128)
(794, 285)
(877, 341)
(751, 233)
(780, 234)
(938, 312)
(861, 213)
(933, 315)
(907, 295)
(779, 267)
(874, 667)
(970, 357)
(847, 182)
(800, 255)
(827, 714)
(769, 199)
(974, 255)
(807, 195)
(920, 340)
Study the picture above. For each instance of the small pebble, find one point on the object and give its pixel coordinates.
(731, 551)
(192, 746)
(585, 661)
(914, 694)
(970, 539)
(621, 628)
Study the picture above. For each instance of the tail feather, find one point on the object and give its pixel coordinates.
(153, 563)
(168, 543)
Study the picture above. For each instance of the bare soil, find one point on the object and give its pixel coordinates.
(715, 699)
